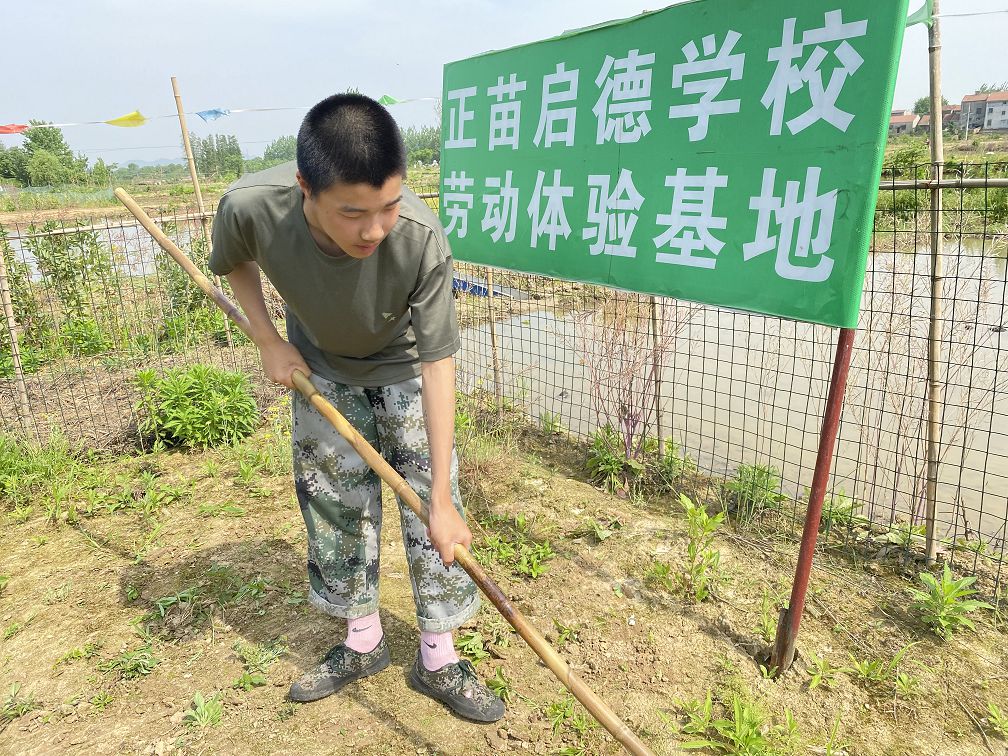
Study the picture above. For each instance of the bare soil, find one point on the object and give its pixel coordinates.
(643, 649)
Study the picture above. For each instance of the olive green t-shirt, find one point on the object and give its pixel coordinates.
(366, 322)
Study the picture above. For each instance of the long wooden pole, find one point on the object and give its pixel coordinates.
(204, 219)
(595, 705)
(24, 409)
(937, 293)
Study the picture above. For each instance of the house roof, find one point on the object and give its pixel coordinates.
(997, 96)
(901, 119)
(980, 97)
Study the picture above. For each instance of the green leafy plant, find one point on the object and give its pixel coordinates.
(753, 490)
(699, 716)
(661, 575)
(945, 603)
(767, 619)
(907, 686)
(840, 512)
(15, 705)
(221, 509)
(249, 680)
(204, 712)
(81, 652)
(608, 464)
(997, 719)
(501, 685)
(822, 673)
(549, 422)
(472, 646)
(101, 700)
(672, 464)
(564, 633)
(906, 535)
(702, 559)
(258, 657)
(130, 665)
(196, 407)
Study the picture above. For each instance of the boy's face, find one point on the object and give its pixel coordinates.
(352, 218)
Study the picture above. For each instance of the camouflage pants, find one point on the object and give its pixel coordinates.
(340, 498)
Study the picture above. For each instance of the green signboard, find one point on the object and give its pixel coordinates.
(720, 151)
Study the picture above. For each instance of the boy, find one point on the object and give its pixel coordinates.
(365, 271)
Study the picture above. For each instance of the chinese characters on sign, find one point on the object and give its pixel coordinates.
(671, 166)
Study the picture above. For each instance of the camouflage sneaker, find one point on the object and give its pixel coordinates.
(457, 686)
(340, 667)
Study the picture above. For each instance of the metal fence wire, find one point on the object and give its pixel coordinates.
(93, 301)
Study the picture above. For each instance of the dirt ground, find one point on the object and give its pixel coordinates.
(80, 595)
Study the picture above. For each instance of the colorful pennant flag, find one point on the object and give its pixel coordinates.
(386, 100)
(213, 114)
(130, 120)
(13, 128)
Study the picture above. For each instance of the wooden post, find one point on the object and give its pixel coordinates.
(937, 276)
(656, 367)
(204, 221)
(498, 380)
(24, 409)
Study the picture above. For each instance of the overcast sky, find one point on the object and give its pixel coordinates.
(87, 60)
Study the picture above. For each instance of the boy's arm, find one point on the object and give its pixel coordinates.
(279, 358)
(438, 398)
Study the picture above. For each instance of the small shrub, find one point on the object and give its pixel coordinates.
(196, 407)
(132, 664)
(997, 719)
(944, 604)
(83, 337)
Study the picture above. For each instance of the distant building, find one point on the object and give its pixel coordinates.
(950, 116)
(986, 110)
(903, 123)
(923, 124)
(974, 111)
(996, 116)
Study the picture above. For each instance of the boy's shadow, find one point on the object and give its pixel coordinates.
(218, 573)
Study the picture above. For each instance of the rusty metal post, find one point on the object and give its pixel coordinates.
(790, 618)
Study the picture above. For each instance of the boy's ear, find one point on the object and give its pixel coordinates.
(303, 184)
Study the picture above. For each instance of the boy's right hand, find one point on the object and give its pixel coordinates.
(280, 359)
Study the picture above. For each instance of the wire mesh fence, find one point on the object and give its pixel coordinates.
(741, 396)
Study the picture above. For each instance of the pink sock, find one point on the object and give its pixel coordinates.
(437, 650)
(363, 633)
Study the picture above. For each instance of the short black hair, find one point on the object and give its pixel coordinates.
(352, 139)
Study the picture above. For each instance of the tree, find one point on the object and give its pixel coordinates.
(993, 87)
(923, 105)
(423, 145)
(46, 169)
(217, 155)
(101, 174)
(281, 150)
(14, 164)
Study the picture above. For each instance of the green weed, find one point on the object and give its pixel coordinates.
(472, 646)
(549, 423)
(501, 685)
(249, 680)
(221, 509)
(564, 633)
(768, 618)
(257, 657)
(196, 407)
(130, 665)
(703, 561)
(101, 700)
(204, 712)
(754, 489)
(997, 719)
(822, 673)
(86, 651)
(945, 603)
(906, 535)
(661, 575)
(15, 705)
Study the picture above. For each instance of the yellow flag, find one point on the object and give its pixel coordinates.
(136, 118)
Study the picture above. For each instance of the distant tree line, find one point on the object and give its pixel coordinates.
(45, 159)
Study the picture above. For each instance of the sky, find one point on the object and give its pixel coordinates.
(87, 60)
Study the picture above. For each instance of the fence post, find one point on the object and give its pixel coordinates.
(204, 221)
(656, 367)
(937, 275)
(498, 381)
(24, 409)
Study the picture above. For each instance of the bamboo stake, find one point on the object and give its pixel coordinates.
(498, 381)
(204, 218)
(595, 706)
(937, 277)
(24, 409)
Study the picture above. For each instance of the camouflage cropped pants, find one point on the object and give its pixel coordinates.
(340, 498)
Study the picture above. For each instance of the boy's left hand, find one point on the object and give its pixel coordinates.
(447, 528)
